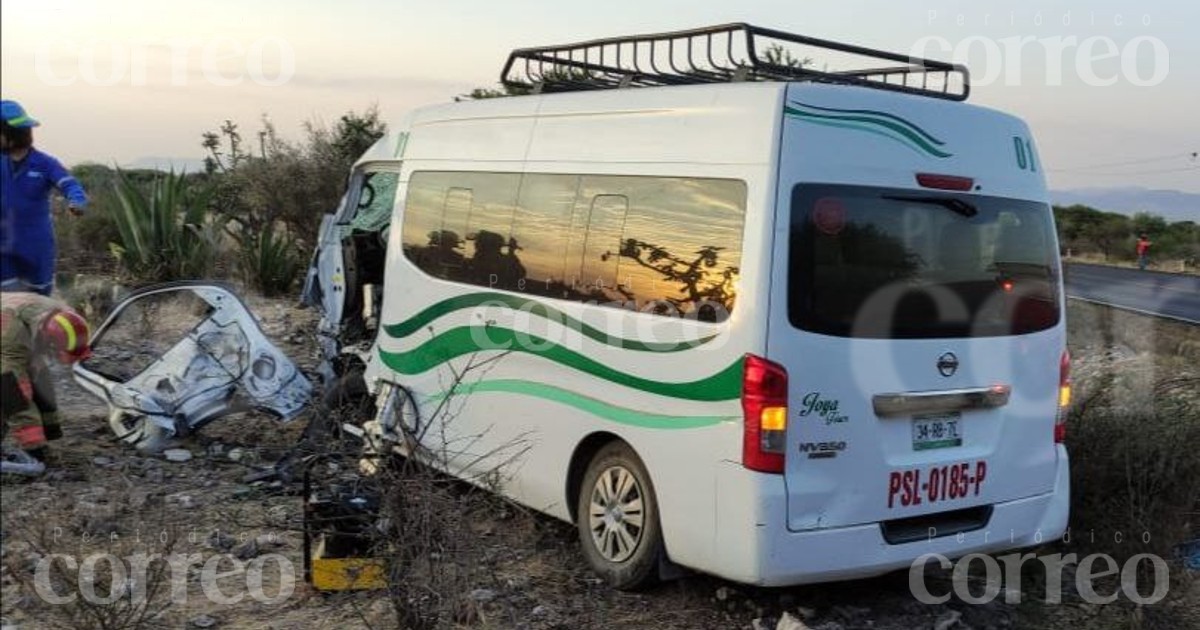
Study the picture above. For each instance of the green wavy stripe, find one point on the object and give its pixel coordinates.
(724, 385)
(871, 130)
(871, 112)
(596, 407)
(534, 307)
(908, 135)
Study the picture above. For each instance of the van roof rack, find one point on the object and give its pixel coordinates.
(725, 53)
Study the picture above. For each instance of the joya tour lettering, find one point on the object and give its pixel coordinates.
(825, 408)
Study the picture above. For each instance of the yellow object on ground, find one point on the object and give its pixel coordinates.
(347, 574)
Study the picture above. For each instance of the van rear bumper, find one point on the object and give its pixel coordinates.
(779, 557)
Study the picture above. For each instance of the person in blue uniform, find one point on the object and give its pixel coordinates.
(27, 175)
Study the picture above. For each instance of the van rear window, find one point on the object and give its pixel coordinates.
(911, 264)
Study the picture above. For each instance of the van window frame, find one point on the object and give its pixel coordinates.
(574, 240)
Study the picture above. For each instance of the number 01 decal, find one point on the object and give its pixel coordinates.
(1025, 156)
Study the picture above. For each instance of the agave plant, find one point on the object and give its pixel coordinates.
(270, 261)
(165, 230)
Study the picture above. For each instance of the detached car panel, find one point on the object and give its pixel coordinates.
(174, 357)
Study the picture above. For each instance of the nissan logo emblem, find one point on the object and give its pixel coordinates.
(947, 364)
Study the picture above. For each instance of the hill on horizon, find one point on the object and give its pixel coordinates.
(1172, 205)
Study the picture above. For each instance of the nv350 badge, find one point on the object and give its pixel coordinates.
(822, 450)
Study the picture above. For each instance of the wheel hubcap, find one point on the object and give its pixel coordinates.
(616, 514)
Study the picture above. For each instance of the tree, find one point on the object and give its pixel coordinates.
(776, 54)
(355, 133)
(482, 93)
(695, 272)
(212, 142)
(1107, 234)
(1147, 223)
(272, 203)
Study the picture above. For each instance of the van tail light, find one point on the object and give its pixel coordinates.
(945, 182)
(1064, 397)
(764, 406)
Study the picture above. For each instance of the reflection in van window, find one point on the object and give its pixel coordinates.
(539, 233)
(887, 263)
(665, 245)
(601, 226)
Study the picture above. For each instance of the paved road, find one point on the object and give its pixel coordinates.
(1164, 294)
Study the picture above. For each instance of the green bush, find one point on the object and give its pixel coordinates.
(164, 230)
(269, 261)
(1086, 230)
(279, 182)
(83, 240)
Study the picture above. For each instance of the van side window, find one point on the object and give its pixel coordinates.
(593, 257)
(457, 225)
(421, 228)
(682, 247)
(664, 245)
(540, 232)
(456, 213)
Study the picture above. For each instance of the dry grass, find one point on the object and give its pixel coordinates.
(533, 564)
(1135, 468)
(1169, 266)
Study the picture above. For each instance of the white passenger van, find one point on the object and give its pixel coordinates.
(770, 323)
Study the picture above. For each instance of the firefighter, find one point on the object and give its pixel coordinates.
(27, 175)
(35, 330)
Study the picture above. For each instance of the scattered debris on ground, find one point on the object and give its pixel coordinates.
(211, 494)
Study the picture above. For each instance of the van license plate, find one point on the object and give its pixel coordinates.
(942, 430)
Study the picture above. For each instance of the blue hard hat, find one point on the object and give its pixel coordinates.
(12, 113)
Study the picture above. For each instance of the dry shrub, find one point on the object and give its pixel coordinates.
(1133, 433)
(434, 531)
(1136, 470)
(87, 575)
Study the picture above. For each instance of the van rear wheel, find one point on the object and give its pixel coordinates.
(617, 517)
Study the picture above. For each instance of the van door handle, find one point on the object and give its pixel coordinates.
(910, 403)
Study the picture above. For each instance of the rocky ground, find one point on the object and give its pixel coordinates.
(526, 572)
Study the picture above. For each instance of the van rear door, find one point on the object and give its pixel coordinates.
(921, 334)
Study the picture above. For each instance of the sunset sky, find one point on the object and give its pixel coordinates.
(56, 54)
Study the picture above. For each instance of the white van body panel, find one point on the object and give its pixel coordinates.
(535, 454)
(520, 416)
(870, 138)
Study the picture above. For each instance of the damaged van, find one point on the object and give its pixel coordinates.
(345, 278)
(780, 317)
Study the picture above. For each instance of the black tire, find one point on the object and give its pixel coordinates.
(623, 566)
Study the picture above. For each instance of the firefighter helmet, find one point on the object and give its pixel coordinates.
(67, 335)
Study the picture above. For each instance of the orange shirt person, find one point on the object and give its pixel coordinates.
(1143, 251)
